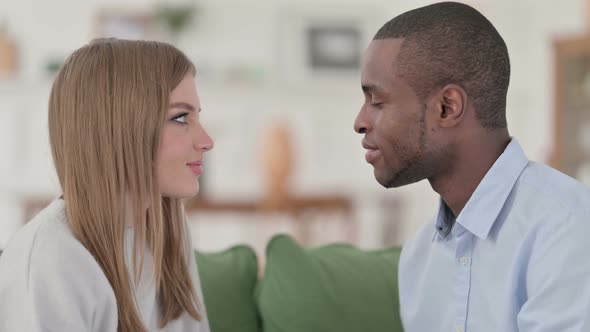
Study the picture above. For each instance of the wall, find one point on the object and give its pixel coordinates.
(321, 109)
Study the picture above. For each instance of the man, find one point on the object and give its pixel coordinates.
(509, 248)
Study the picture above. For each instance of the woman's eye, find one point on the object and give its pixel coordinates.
(181, 118)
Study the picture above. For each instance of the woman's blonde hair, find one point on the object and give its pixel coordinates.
(107, 108)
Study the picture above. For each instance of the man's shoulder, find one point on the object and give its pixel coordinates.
(542, 200)
(544, 197)
(544, 183)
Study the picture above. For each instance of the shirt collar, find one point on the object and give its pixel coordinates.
(484, 206)
(441, 223)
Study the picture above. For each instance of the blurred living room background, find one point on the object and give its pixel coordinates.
(280, 88)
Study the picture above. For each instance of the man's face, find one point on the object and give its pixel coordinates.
(393, 120)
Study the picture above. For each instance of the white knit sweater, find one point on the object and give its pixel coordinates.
(50, 282)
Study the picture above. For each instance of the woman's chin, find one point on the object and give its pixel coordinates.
(183, 193)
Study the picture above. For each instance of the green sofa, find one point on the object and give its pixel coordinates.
(335, 287)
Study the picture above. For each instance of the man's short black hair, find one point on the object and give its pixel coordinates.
(450, 42)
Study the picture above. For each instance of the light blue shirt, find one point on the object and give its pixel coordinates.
(516, 259)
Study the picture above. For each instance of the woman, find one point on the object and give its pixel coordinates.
(113, 253)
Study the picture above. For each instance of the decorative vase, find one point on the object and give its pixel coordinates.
(276, 164)
(8, 54)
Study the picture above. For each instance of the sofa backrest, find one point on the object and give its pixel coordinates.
(331, 288)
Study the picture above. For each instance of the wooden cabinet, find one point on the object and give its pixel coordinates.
(571, 153)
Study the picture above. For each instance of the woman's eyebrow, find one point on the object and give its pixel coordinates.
(183, 105)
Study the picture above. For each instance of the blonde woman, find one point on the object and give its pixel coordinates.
(113, 253)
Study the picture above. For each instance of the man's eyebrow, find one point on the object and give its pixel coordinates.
(370, 88)
(183, 105)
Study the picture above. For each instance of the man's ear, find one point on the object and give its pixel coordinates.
(451, 106)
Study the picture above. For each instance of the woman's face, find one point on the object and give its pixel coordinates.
(184, 142)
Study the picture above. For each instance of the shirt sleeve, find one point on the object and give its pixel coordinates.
(558, 278)
(68, 291)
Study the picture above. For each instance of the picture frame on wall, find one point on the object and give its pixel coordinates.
(335, 47)
(323, 43)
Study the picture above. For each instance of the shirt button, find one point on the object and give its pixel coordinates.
(464, 260)
(459, 328)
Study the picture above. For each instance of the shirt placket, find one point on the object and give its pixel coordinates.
(463, 260)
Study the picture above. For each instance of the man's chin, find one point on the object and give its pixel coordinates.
(386, 180)
(392, 184)
(393, 180)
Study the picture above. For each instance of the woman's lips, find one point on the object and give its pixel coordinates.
(196, 167)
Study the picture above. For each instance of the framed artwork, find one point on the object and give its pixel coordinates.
(335, 47)
(324, 43)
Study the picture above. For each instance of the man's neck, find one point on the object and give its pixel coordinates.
(472, 163)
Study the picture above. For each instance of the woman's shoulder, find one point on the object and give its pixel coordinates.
(46, 237)
(47, 242)
(44, 264)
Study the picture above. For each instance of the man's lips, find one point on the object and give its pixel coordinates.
(368, 146)
(372, 154)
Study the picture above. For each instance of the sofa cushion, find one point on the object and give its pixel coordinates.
(228, 279)
(331, 288)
